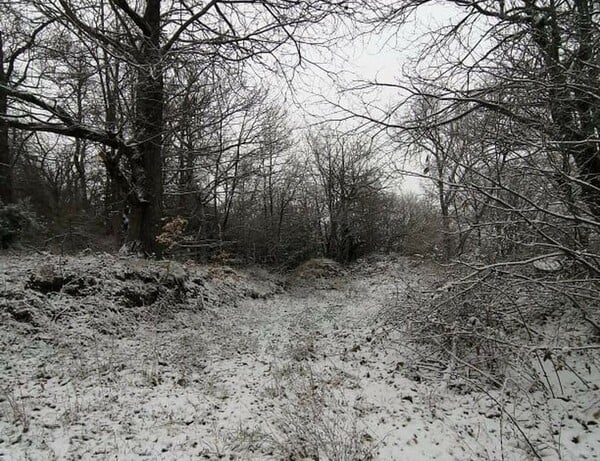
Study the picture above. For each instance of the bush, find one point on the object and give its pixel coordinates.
(16, 221)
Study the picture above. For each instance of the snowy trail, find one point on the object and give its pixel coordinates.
(305, 374)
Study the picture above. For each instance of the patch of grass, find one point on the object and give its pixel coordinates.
(242, 441)
(301, 349)
(316, 423)
(20, 412)
(73, 408)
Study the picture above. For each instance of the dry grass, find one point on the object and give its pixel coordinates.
(19, 410)
(314, 421)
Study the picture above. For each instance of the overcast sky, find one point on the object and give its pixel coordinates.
(374, 57)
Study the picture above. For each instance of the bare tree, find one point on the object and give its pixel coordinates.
(533, 63)
(346, 171)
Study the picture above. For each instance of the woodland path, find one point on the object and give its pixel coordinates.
(306, 373)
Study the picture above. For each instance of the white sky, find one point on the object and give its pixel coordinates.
(376, 57)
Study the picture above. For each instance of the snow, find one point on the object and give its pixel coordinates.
(245, 364)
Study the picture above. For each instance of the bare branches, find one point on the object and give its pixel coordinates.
(182, 28)
(91, 32)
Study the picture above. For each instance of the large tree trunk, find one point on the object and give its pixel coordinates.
(145, 158)
(115, 194)
(6, 186)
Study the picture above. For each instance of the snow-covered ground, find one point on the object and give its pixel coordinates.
(97, 363)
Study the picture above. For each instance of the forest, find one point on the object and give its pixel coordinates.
(183, 138)
(190, 191)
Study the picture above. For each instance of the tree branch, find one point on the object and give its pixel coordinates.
(131, 14)
(167, 46)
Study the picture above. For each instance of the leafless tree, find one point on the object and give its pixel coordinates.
(512, 95)
(346, 170)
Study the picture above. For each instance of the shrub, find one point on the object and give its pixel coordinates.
(16, 221)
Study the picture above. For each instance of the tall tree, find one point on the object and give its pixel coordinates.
(6, 192)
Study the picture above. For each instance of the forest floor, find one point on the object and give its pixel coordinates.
(112, 358)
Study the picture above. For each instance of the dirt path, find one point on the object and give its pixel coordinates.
(309, 373)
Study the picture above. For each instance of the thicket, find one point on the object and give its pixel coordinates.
(506, 130)
(271, 203)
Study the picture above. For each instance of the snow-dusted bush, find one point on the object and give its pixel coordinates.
(16, 220)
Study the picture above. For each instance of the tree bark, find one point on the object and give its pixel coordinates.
(115, 193)
(145, 158)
